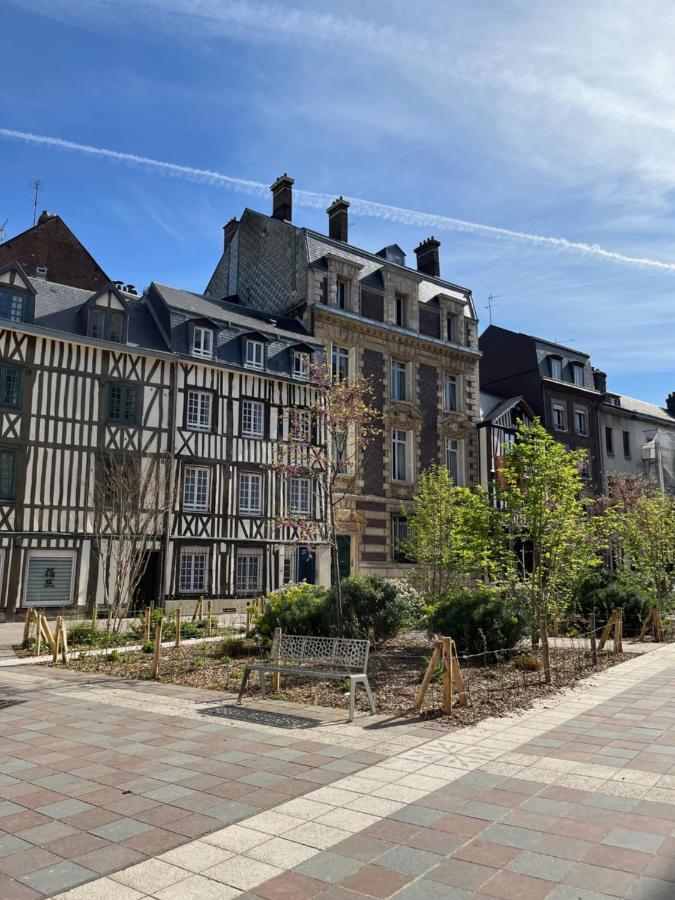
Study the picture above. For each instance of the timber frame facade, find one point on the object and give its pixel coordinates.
(411, 332)
(197, 386)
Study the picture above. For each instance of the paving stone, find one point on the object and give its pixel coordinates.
(413, 814)
(462, 874)
(197, 887)
(290, 886)
(56, 878)
(362, 847)
(408, 860)
(43, 834)
(242, 872)
(121, 829)
(646, 888)
(101, 889)
(539, 865)
(109, 859)
(17, 891)
(633, 840)
(431, 890)
(513, 886)
(375, 881)
(329, 867)
(509, 835)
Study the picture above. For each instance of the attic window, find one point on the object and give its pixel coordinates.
(106, 324)
(555, 363)
(202, 342)
(301, 364)
(12, 305)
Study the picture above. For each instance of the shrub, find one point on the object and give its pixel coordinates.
(527, 663)
(233, 647)
(296, 609)
(82, 633)
(148, 648)
(379, 608)
(478, 620)
(113, 656)
(605, 592)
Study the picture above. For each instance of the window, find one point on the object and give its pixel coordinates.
(11, 306)
(252, 418)
(106, 325)
(556, 367)
(10, 386)
(609, 441)
(49, 577)
(250, 494)
(402, 310)
(342, 296)
(626, 444)
(249, 571)
(340, 452)
(585, 470)
(290, 572)
(581, 421)
(202, 342)
(399, 455)
(122, 404)
(453, 459)
(399, 371)
(453, 329)
(301, 365)
(559, 420)
(199, 410)
(255, 354)
(299, 491)
(7, 474)
(301, 426)
(340, 363)
(450, 393)
(192, 578)
(196, 488)
(399, 536)
(578, 374)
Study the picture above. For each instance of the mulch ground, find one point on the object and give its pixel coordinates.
(395, 673)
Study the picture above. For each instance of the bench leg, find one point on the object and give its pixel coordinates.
(352, 698)
(370, 697)
(244, 681)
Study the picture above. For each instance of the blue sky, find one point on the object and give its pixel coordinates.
(552, 120)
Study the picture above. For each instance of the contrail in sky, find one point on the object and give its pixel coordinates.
(358, 205)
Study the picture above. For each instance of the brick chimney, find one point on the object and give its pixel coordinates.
(338, 220)
(229, 230)
(428, 259)
(282, 198)
(600, 381)
(45, 216)
(670, 403)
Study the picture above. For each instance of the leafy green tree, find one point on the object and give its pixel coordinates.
(542, 499)
(453, 535)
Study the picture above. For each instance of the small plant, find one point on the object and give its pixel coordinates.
(232, 646)
(201, 661)
(527, 663)
(438, 669)
(225, 659)
(113, 656)
(148, 647)
(28, 644)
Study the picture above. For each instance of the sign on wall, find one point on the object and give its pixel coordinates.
(49, 580)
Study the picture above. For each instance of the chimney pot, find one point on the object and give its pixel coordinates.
(229, 230)
(282, 198)
(670, 403)
(428, 257)
(338, 220)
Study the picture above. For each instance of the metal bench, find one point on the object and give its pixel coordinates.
(316, 657)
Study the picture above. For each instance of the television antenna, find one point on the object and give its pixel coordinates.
(37, 187)
(3, 228)
(490, 305)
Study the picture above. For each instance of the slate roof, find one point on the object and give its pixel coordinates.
(643, 408)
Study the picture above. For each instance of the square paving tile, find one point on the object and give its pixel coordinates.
(57, 877)
(121, 829)
(329, 867)
(408, 860)
(375, 881)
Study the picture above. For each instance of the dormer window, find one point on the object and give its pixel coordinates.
(402, 310)
(342, 296)
(255, 354)
(12, 305)
(578, 374)
(202, 342)
(301, 364)
(106, 324)
(555, 363)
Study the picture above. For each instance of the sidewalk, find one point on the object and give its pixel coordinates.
(139, 790)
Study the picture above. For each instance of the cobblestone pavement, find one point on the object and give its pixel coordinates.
(130, 790)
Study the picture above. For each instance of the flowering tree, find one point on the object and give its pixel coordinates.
(342, 413)
(544, 510)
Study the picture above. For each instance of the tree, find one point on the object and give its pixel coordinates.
(454, 535)
(131, 498)
(542, 502)
(638, 522)
(346, 422)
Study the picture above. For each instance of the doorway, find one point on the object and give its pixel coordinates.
(344, 550)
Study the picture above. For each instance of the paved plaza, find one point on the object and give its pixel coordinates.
(127, 790)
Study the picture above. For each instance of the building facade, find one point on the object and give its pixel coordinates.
(409, 331)
(499, 421)
(556, 382)
(197, 386)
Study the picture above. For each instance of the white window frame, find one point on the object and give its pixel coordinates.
(202, 342)
(340, 355)
(301, 363)
(561, 409)
(555, 364)
(339, 455)
(203, 420)
(581, 415)
(454, 449)
(196, 484)
(301, 428)
(244, 583)
(289, 565)
(247, 493)
(188, 582)
(300, 495)
(254, 354)
(401, 445)
(257, 413)
(399, 523)
(451, 381)
(398, 368)
(578, 374)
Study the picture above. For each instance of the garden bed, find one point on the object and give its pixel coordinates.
(496, 686)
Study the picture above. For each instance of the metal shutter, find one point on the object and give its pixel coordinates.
(49, 580)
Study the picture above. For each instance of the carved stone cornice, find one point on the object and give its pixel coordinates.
(455, 425)
(400, 414)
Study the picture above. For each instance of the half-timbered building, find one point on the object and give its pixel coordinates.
(197, 386)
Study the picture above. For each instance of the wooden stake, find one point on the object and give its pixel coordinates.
(618, 632)
(447, 675)
(199, 608)
(146, 626)
(658, 625)
(428, 675)
(38, 635)
(276, 676)
(457, 678)
(94, 616)
(594, 643)
(607, 630)
(208, 617)
(178, 627)
(158, 647)
(64, 643)
(57, 638)
(30, 617)
(544, 651)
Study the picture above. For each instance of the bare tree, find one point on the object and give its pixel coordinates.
(132, 497)
(345, 422)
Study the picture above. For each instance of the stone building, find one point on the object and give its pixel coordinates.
(412, 332)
